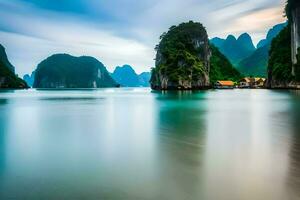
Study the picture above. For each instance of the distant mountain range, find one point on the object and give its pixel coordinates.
(127, 77)
(256, 64)
(29, 79)
(244, 56)
(235, 49)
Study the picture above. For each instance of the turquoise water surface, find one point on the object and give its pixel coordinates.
(138, 144)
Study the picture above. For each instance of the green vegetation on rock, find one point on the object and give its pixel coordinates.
(221, 68)
(66, 71)
(186, 60)
(256, 64)
(282, 52)
(280, 64)
(182, 60)
(8, 79)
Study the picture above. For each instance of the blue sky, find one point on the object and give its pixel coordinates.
(120, 32)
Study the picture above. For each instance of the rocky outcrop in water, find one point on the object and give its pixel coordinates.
(182, 59)
(66, 71)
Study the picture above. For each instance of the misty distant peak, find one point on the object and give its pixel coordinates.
(272, 33)
(127, 77)
(125, 68)
(245, 40)
(231, 38)
(244, 36)
(235, 49)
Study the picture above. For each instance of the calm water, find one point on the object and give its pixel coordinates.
(137, 144)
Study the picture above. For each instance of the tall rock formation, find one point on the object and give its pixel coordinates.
(5, 60)
(284, 61)
(8, 78)
(294, 15)
(182, 59)
(66, 71)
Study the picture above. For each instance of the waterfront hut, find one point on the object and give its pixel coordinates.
(224, 85)
(245, 82)
(259, 82)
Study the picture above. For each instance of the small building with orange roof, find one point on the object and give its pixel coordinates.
(225, 84)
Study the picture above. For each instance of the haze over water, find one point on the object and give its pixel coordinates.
(138, 144)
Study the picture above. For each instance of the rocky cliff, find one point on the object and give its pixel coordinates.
(5, 60)
(182, 59)
(284, 60)
(295, 31)
(66, 71)
(8, 79)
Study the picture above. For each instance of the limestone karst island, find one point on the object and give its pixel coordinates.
(150, 100)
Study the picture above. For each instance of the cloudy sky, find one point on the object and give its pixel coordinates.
(120, 32)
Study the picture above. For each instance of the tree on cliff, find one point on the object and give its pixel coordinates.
(291, 4)
(182, 60)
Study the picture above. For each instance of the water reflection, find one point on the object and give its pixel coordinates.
(181, 128)
(3, 127)
(247, 153)
(294, 169)
(138, 144)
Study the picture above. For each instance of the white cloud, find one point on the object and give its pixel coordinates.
(130, 32)
(35, 38)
